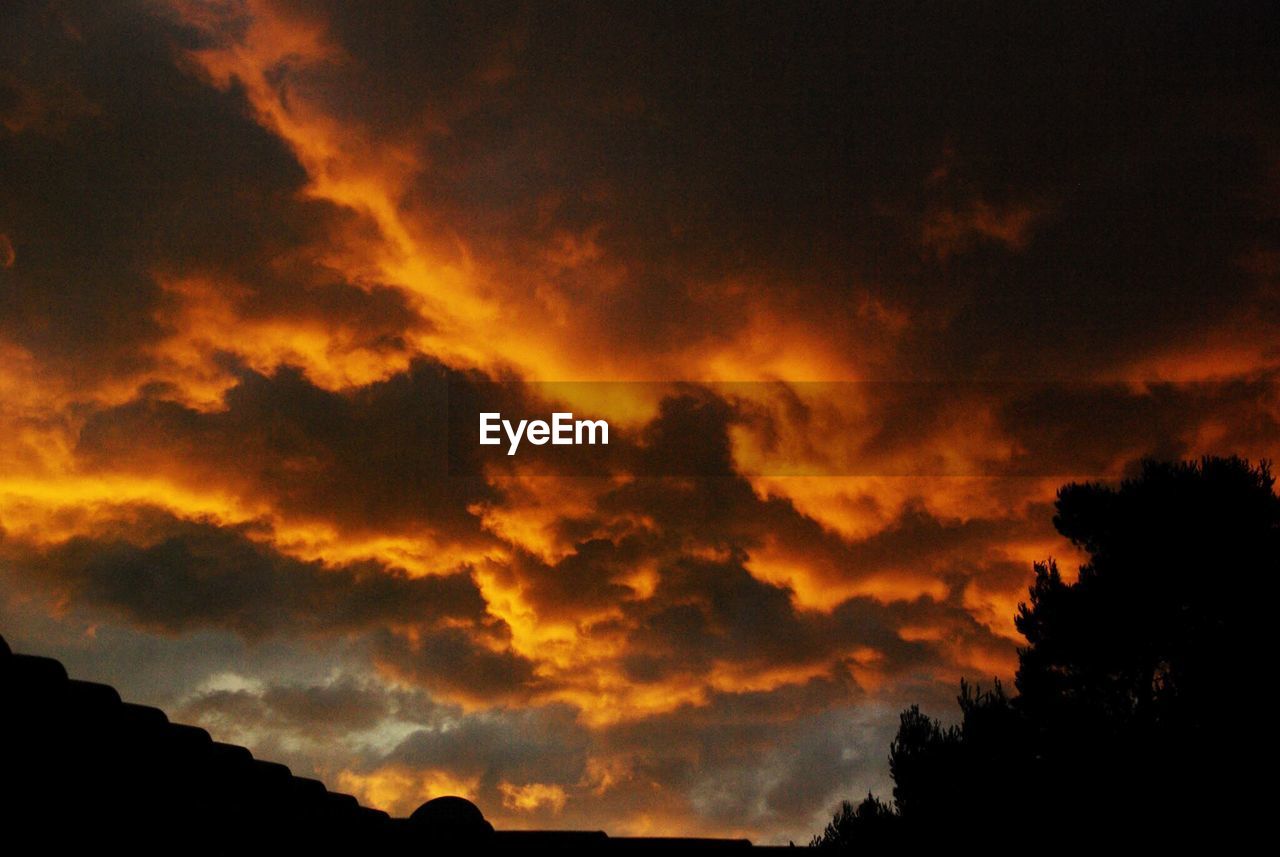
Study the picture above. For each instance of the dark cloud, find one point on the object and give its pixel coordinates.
(104, 127)
(461, 663)
(544, 744)
(190, 575)
(757, 758)
(820, 146)
(707, 614)
(314, 711)
(1091, 428)
(373, 458)
(704, 611)
(592, 577)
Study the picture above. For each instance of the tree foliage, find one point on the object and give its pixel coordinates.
(869, 826)
(1129, 687)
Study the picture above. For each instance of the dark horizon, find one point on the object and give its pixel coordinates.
(857, 289)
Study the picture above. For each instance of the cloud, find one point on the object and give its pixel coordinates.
(879, 282)
(316, 712)
(374, 458)
(527, 745)
(182, 576)
(454, 662)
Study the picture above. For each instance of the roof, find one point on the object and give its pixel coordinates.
(88, 770)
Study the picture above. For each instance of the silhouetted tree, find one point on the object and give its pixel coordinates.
(1133, 678)
(1152, 628)
(924, 762)
(945, 775)
(871, 827)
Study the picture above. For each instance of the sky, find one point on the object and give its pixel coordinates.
(858, 287)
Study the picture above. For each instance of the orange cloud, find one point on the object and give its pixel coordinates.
(262, 239)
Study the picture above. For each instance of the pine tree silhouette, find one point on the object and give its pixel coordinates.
(1130, 686)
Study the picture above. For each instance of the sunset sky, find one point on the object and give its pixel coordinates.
(858, 286)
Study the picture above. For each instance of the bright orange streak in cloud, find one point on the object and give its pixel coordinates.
(400, 790)
(819, 593)
(35, 506)
(532, 796)
(466, 299)
(206, 322)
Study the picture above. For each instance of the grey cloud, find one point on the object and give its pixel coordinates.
(312, 710)
(544, 744)
(462, 662)
(196, 575)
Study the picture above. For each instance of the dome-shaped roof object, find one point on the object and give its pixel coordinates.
(452, 818)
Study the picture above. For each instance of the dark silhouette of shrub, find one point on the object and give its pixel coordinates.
(871, 826)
